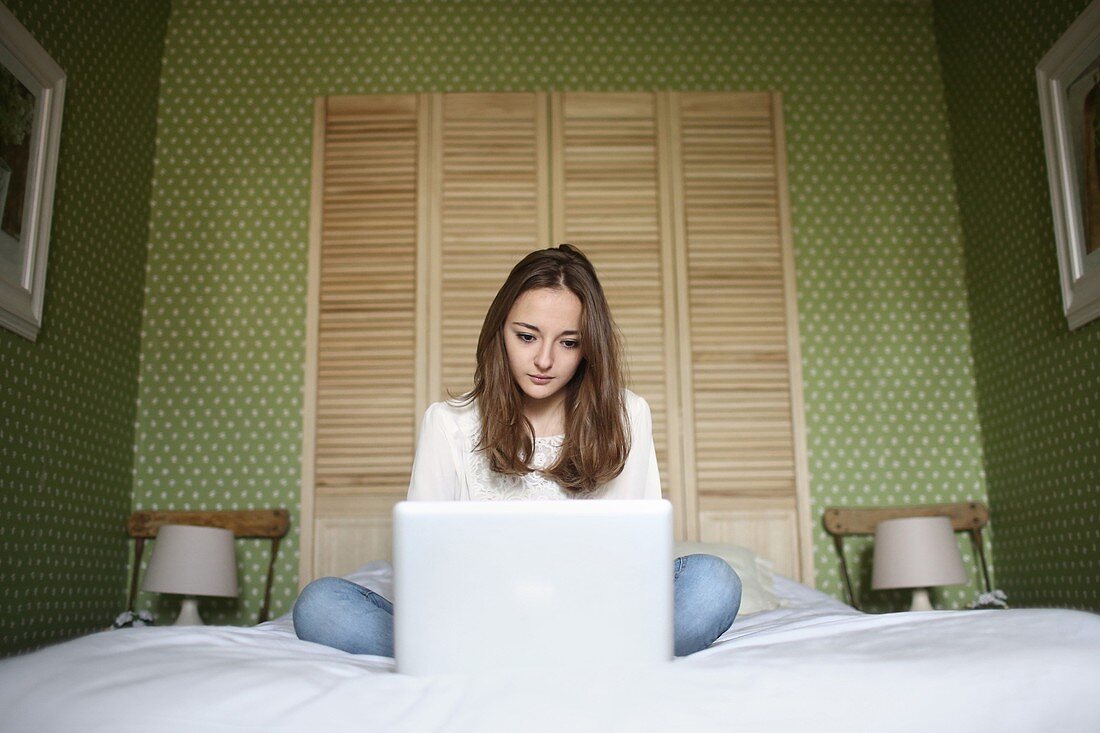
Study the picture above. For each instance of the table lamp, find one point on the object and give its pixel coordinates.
(917, 553)
(192, 561)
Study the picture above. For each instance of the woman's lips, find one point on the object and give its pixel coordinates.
(539, 378)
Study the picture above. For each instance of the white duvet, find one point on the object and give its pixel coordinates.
(814, 665)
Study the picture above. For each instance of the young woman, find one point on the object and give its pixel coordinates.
(548, 418)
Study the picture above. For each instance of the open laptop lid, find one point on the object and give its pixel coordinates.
(488, 586)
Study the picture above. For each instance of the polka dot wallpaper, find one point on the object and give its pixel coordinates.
(1038, 383)
(891, 407)
(67, 401)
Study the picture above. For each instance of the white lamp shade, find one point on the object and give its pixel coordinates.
(193, 561)
(916, 552)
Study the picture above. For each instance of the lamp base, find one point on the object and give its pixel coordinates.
(921, 601)
(189, 613)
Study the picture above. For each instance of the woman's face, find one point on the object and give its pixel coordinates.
(542, 340)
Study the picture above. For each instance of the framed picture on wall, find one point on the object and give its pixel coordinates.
(32, 92)
(1069, 101)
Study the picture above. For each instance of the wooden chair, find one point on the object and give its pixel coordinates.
(263, 523)
(841, 522)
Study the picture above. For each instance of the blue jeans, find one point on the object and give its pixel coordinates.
(341, 614)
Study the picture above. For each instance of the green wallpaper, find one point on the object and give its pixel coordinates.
(67, 401)
(1038, 383)
(891, 407)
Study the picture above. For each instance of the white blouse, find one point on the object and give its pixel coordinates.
(447, 468)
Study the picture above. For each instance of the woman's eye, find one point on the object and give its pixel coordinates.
(525, 337)
(570, 344)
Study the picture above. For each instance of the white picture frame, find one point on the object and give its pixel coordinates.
(1069, 101)
(33, 147)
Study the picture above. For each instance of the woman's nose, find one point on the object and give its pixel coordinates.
(544, 359)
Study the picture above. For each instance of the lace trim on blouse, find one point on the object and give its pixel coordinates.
(486, 485)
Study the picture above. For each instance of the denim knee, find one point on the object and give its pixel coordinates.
(707, 598)
(340, 614)
(317, 601)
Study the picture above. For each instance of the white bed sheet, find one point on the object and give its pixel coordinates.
(813, 665)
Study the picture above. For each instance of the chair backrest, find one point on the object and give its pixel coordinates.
(265, 523)
(270, 524)
(845, 521)
(841, 522)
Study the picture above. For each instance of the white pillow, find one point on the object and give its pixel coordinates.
(757, 586)
(377, 575)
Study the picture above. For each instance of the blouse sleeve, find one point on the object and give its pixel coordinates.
(434, 472)
(640, 478)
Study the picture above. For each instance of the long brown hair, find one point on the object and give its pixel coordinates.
(597, 438)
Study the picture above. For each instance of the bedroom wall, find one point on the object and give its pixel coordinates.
(67, 401)
(1038, 383)
(891, 409)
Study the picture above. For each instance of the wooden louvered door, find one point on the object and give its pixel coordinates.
(364, 326)
(491, 210)
(679, 200)
(740, 377)
(423, 203)
(606, 153)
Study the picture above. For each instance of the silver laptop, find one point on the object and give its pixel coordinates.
(490, 586)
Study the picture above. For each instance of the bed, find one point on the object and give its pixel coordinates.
(797, 659)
